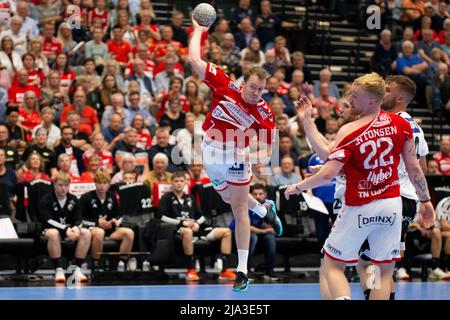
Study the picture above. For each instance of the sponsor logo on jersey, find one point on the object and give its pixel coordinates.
(383, 119)
(364, 185)
(377, 220)
(262, 112)
(220, 114)
(395, 252)
(239, 114)
(233, 86)
(379, 177)
(334, 250)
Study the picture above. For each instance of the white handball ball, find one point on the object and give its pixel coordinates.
(204, 14)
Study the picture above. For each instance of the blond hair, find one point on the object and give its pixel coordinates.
(373, 84)
(63, 177)
(102, 176)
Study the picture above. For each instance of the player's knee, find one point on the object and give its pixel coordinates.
(52, 235)
(98, 234)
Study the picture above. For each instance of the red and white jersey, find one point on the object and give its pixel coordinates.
(6, 8)
(443, 162)
(106, 158)
(102, 17)
(229, 112)
(371, 155)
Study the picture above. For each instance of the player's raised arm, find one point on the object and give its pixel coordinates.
(195, 58)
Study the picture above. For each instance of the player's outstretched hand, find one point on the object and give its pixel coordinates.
(291, 190)
(197, 26)
(427, 214)
(304, 108)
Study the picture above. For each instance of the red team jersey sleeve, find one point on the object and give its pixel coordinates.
(215, 78)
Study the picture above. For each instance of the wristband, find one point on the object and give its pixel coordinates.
(425, 201)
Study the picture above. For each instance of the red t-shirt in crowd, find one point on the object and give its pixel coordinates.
(52, 45)
(119, 51)
(443, 161)
(88, 118)
(16, 93)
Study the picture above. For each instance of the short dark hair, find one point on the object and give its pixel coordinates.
(258, 186)
(179, 174)
(88, 60)
(405, 84)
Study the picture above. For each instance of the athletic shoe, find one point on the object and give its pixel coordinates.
(121, 266)
(60, 275)
(192, 275)
(228, 274)
(270, 276)
(79, 276)
(132, 264)
(402, 274)
(241, 282)
(439, 274)
(272, 219)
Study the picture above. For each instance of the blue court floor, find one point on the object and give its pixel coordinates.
(290, 291)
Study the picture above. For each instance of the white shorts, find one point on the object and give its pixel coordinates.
(379, 222)
(222, 168)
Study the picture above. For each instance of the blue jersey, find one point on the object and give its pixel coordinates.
(326, 192)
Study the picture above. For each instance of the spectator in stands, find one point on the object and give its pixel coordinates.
(30, 25)
(80, 139)
(93, 166)
(60, 213)
(298, 63)
(325, 99)
(245, 34)
(35, 76)
(443, 156)
(162, 48)
(179, 33)
(144, 137)
(162, 146)
(16, 133)
(40, 147)
(433, 167)
(277, 106)
(88, 116)
(120, 6)
(90, 72)
(66, 74)
(147, 19)
(174, 116)
(304, 88)
(412, 11)
(216, 57)
(444, 31)
(237, 15)
(139, 75)
(7, 176)
(412, 65)
(29, 116)
(425, 46)
(408, 35)
(54, 133)
(101, 215)
(270, 63)
(162, 79)
(49, 11)
(33, 169)
(11, 154)
(101, 97)
(96, 49)
(383, 59)
(261, 175)
(117, 107)
(198, 174)
(119, 49)
(175, 85)
(425, 25)
(74, 57)
(18, 89)
(129, 146)
(440, 17)
(272, 91)
(9, 58)
(112, 133)
(231, 53)
(287, 174)
(254, 53)
(325, 76)
(160, 164)
(99, 147)
(181, 209)
(51, 45)
(127, 165)
(18, 37)
(222, 26)
(65, 166)
(282, 54)
(185, 138)
(260, 231)
(286, 147)
(65, 147)
(53, 95)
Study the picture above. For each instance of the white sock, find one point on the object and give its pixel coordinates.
(242, 261)
(260, 210)
(343, 298)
